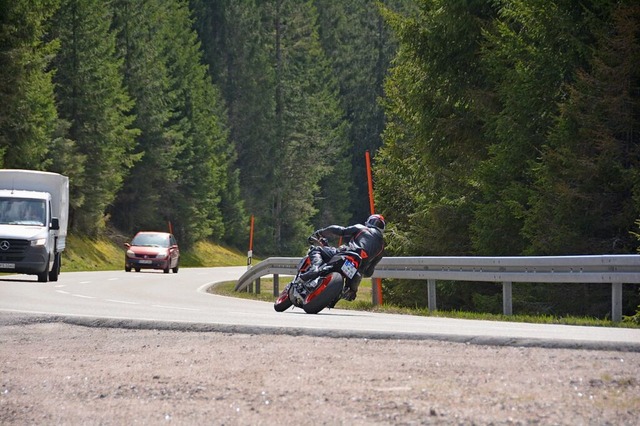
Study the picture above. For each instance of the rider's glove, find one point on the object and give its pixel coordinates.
(314, 238)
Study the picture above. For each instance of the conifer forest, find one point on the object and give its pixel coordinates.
(495, 127)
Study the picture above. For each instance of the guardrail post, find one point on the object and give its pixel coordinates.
(507, 299)
(257, 285)
(616, 301)
(276, 285)
(431, 295)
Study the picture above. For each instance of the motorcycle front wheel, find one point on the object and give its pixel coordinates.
(329, 290)
(283, 302)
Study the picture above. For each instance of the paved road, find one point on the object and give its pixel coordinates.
(179, 301)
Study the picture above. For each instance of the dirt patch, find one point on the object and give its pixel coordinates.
(55, 373)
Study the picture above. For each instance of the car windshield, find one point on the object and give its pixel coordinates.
(151, 240)
(22, 211)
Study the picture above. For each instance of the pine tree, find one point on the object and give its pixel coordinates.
(28, 118)
(142, 202)
(530, 53)
(359, 47)
(310, 132)
(198, 133)
(433, 138)
(284, 117)
(586, 192)
(91, 97)
(232, 36)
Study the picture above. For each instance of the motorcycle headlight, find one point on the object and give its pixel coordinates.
(38, 242)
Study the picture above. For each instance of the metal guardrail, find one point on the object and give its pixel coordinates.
(612, 269)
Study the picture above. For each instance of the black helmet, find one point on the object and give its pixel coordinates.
(375, 221)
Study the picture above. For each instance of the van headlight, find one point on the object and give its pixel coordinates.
(38, 242)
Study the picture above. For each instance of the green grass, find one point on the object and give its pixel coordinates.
(87, 254)
(107, 253)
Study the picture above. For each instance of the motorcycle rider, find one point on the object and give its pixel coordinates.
(367, 240)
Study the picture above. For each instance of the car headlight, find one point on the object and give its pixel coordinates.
(38, 242)
(130, 253)
(162, 255)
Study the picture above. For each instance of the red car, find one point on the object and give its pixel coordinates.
(152, 250)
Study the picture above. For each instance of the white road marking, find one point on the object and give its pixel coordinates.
(175, 307)
(83, 296)
(62, 292)
(122, 301)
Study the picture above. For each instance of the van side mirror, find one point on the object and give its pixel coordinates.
(55, 224)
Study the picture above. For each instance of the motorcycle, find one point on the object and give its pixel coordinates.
(314, 295)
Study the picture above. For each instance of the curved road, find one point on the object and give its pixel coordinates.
(180, 301)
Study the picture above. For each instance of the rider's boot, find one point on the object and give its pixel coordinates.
(353, 284)
(313, 271)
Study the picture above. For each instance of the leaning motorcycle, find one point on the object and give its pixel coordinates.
(328, 288)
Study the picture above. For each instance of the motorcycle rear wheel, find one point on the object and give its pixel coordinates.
(329, 290)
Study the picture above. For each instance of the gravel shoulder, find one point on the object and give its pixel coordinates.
(59, 373)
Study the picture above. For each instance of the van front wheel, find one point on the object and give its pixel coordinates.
(43, 277)
(55, 271)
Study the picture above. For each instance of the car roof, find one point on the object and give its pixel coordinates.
(153, 232)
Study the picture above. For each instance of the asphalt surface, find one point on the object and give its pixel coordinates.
(153, 300)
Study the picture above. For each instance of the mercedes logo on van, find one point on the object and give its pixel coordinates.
(4, 245)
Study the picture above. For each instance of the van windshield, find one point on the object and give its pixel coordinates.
(22, 211)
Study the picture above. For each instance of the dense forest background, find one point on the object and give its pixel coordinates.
(497, 127)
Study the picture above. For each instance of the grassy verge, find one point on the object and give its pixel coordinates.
(107, 254)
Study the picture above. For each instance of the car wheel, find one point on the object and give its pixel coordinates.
(137, 269)
(127, 268)
(175, 270)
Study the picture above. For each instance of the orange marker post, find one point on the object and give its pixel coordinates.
(376, 283)
(369, 181)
